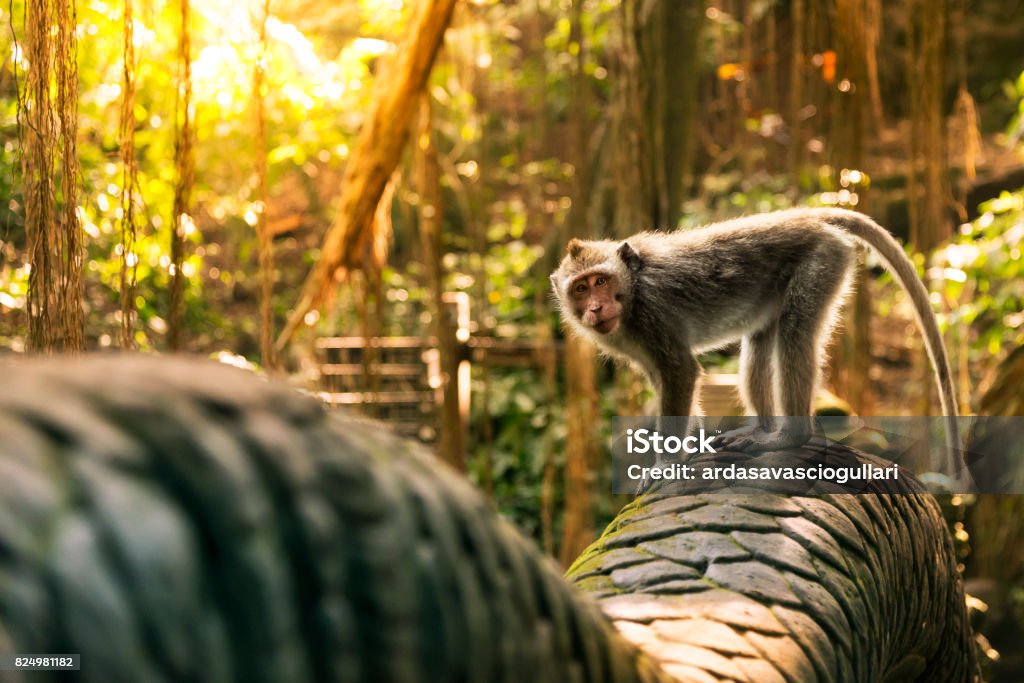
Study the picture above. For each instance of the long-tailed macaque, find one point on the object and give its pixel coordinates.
(774, 280)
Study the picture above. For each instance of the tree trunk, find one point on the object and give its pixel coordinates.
(375, 154)
(996, 522)
(266, 241)
(935, 227)
(581, 396)
(537, 145)
(852, 96)
(580, 448)
(667, 38)
(929, 197)
(184, 164)
(129, 183)
(630, 212)
(452, 446)
(632, 179)
(796, 90)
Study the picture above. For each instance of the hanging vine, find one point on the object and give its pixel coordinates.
(266, 243)
(129, 183)
(69, 229)
(184, 170)
(48, 112)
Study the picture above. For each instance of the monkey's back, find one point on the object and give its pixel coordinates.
(720, 278)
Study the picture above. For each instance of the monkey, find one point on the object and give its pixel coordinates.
(774, 281)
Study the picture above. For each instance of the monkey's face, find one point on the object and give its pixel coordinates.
(595, 301)
(592, 300)
(591, 285)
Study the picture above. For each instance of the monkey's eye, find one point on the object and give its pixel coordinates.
(580, 288)
(601, 279)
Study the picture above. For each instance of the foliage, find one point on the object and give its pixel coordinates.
(983, 278)
(315, 105)
(529, 428)
(982, 271)
(1016, 93)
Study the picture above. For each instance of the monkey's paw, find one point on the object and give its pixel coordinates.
(744, 439)
(756, 440)
(644, 485)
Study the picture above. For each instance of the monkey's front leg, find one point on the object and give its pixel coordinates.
(677, 386)
(676, 382)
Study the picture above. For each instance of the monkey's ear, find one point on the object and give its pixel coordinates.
(575, 248)
(554, 281)
(629, 256)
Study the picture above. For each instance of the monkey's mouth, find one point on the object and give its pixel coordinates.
(607, 325)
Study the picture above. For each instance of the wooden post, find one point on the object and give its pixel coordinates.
(452, 446)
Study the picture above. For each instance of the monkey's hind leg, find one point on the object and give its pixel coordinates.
(806, 317)
(757, 389)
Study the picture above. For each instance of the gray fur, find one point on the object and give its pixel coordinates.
(776, 281)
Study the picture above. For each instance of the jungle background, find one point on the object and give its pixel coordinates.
(368, 196)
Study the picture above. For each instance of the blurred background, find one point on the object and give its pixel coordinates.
(168, 175)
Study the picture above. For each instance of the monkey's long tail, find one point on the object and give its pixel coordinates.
(885, 245)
